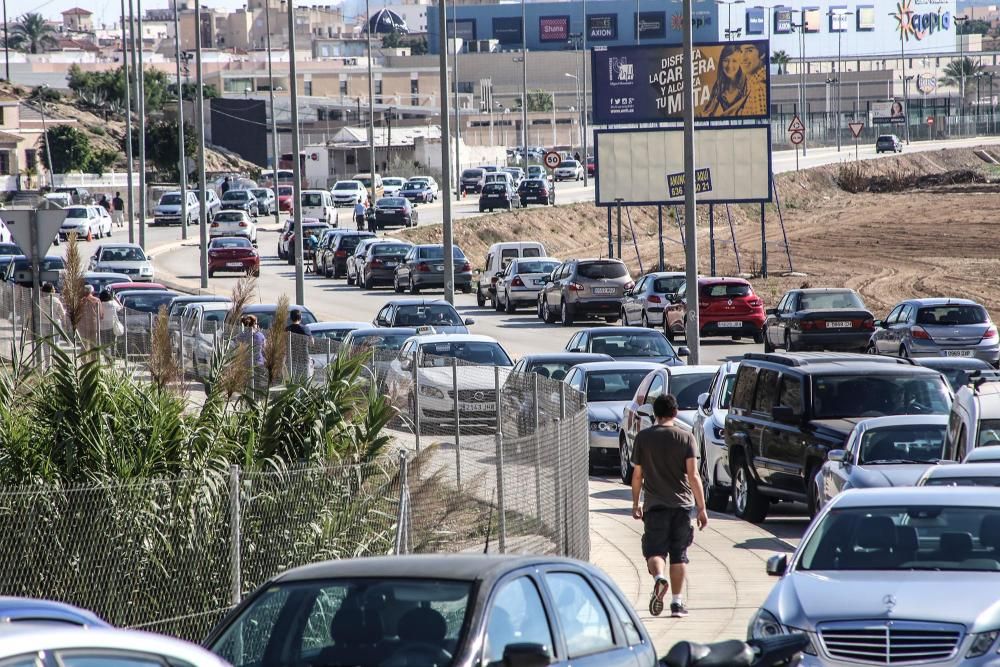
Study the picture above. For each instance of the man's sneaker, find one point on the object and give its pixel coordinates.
(656, 598)
(677, 609)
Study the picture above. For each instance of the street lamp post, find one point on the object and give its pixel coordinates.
(902, 60)
(274, 119)
(447, 237)
(576, 96)
(182, 171)
(293, 98)
(45, 133)
(524, 86)
(978, 75)
(583, 97)
(128, 126)
(801, 27)
(959, 22)
(729, 16)
(199, 105)
(458, 107)
(141, 101)
(371, 105)
(840, 16)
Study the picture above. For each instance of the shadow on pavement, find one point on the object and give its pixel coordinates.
(765, 544)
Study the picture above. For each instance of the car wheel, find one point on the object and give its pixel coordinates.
(903, 354)
(767, 343)
(538, 309)
(667, 331)
(211, 273)
(610, 319)
(644, 321)
(480, 299)
(871, 349)
(467, 289)
(508, 305)
(716, 499)
(396, 287)
(565, 317)
(290, 258)
(368, 283)
(788, 343)
(749, 504)
(812, 496)
(497, 306)
(413, 288)
(328, 272)
(625, 466)
(350, 280)
(547, 315)
(758, 336)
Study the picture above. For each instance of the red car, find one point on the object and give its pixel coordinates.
(231, 253)
(115, 288)
(727, 307)
(591, 165)
(285, 198)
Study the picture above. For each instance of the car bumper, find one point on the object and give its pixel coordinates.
(65, 233)
(991, 659)
(437, 279)
(595, 307)
(528, 199)
(988, 353)
(384, 220)
(495, 203)
(603, 442)
(472, 188)
(166, 219)
(748, 327)
(717, 461)
(442, 411)
(852, 341)
(381, 275)
(525, 295)
(229, 264)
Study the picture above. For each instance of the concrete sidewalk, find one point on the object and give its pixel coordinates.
(726, 578)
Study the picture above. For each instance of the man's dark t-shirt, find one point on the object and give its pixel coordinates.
(663, 452)
(297, 328)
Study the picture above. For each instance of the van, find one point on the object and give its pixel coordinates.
(472, 180)
(319, 204)
(367, 181)
(974, 420)
(498, 177)
(497, 258)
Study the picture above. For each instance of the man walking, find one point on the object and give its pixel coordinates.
(118, 210)
(666, 476)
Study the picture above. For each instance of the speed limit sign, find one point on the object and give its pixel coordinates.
(552, 160)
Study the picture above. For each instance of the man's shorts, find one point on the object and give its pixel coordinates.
(668, 532)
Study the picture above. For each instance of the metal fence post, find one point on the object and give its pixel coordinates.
(288, 353)
(402, 545)
(538, 448)
(416, 401)
(328, 353)
(561, 489)
(458, 423)
(502, 523)
(180, 347)
(557, 483)
(13, 318)
(235, 517)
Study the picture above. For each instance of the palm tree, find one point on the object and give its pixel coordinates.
(32, 34)
(781, 59)
(960, 71)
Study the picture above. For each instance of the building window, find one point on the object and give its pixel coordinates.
(414, 86)
(307, 87)
(30, 157)
(378, 86)
(3, 115)
(5, 163)
(343, 91)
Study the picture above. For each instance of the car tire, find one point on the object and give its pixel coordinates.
(768, 348)
(788, 343)
(508, 306)
(538, 310)
(547, 315)
(396, 287)
(748, 503)
(290, 259)
(812, 495)
(328, 272)
(903, 354)
(667, 331)
(467, 289)
(610, 320)
(716, 499)
(643, 321)
(565, 317)
(625, 467)
(413, 288)
(871, 349)
(211, 274)
(480, 299)
(368, 283)
(758, 337)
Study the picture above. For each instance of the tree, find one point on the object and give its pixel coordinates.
(32, 33)
(974, 27)
(161, 145)
(100, 160)
(102, 89)
(953, 73)
(781, 59)
(70, 149)
(538, 100)
(418, 47)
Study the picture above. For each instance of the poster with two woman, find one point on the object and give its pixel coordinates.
(644, 84)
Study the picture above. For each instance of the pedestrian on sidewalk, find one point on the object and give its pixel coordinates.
(118, 210)
(667, 478)
(360, 211)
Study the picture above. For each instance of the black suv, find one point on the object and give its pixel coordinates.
(788, 410)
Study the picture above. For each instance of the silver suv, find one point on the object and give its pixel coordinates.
(975, 417)
(582, 288)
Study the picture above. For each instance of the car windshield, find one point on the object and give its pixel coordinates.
(336, 335)
(952, 315)
(260, 194)
(230, 243)
(345, 185)
(911, 443)
(439, 314)
(533, 184)
(395, 182)
(989, 433)
(236, 195)
(421, 179)
(265, 318)
(569, 163)
(552, 369)
(228, 216)
(687, 387)
(536, 267)
(473, 352)
(77, 213)
(304, 623)
(958, 377)
(390, 342)
(437, 252)
(286, 190)
(350, 241)
(168, 200)
(830, 301)
(918, 537)
(668, 285)
(726, 396)
(846, 396)
(392, 201)
(725, 290)
(10, 249)
(472, 173)
(598, 270)
(390, 250)
(640, 344)
(415, 185)
(148, 301)
(495, 188)
(613, 385)
(963, 480)
(122, 255)
(365, 181)
(312, 199)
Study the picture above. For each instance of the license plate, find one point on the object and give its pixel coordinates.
(390, 265)
(538, 282)
(730, 325)
(439, 267)
(478, 407)
(234, 265)
(604, 290)
(838, 325)
(958, 353)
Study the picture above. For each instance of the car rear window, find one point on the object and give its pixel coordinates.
(350, 242)
(536, 267)
(533, 185)
(597, 270)
(495, 188)
(230, 243)
(472, 173)
(727, 290)
(830, 301)
(952, 315)
(345, 185)
(170, 199)
(390, 250)
(312, 199)
(437, 252)
(569, 163)
(668, 285)
(228, 217)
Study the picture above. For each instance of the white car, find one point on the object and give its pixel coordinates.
(86, 222)
(391, 185)
(320, 205)
(348, 193)
(709, 432)
(569, 170)
(522, 280)
(435, 189)
(126, 258)
(27, 643)
(233, 223)
(168, 210)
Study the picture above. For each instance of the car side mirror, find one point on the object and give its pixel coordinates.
(683, 352)
(149, 257)
(703, 401)
(405, 364)
(526, 655)
(628, 292)
(837, 456)
(645, 411)
(777, 565)
(771, 311)
(879, 324)
(469, 321)
(783, 413)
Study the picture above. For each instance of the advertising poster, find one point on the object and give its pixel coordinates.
(553, 28)
(507, 29)
(866, 17)
(644, 84)
(756, 18)
(651, 25)
(602, 27)
(812, 18)
(465, 29)
(890, 112)
(839, 19)
(782, 20)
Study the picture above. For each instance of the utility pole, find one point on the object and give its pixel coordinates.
(274, 119)
(524, 87)
(182, 157)
(128, 127)
(371, 115)
(458, 107)
(300, 278)
(199, 105)
(803, 114)
(6, 43)
(583, 99)
(141, 81)
(693, 330)
(136, 75)
(446, 222)
(906, 94)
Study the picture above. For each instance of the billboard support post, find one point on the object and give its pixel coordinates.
(659, 232)
(711, 238)
(763, 242)
(690, 212)
(619, 204)
(611, 245)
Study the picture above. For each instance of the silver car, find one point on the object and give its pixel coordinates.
(906, 575)
(937, 328)
(882, 452)
(644, 304)
(125, 258)
(519, 284)
(709, 432)
(979, 474)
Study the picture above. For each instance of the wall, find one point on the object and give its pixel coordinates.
(428, 153)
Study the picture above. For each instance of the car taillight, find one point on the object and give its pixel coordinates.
(990, 334)
(920, 333)
(517, 282)
(809, 325)
(755, 302)
(575, 287)
(375, 263)
(243, 224)
(868, 325)
(466, 268)
(215, 224)
(545, 193)
(652, 298)
(340, 253)
(422, 267)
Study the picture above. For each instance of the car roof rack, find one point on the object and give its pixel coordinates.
(981, 377)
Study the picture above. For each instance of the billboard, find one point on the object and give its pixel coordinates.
(464, 29)
(507, 29)
(643, 84)
(839, 19)
(643, 167)
(651, 25)
(812, 19)
(866, 17)
(553, 28)
(892, 112)
(602, 27)
(756, 18)
(782, 20)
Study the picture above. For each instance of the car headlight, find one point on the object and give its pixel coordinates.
(764, 625)
(981, 643)
(718, 433)
(433, 392)
(605, 427)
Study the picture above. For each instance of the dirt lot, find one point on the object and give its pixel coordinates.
(935, 241)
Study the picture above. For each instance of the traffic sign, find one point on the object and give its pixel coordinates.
(552, 160)
(930, 120)
(797, 137)
(796, 125)
(856, 128)
(19, 223)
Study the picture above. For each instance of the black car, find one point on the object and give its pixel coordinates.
(536, 191)
(555, 365)
(498, 195)
(788, 410)
(380, 262)
(472, 180)
(819, 319)
(888, 143)
(395, 212)
(456, 610)
(332, 254)
(240, 200)
(627, 344)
